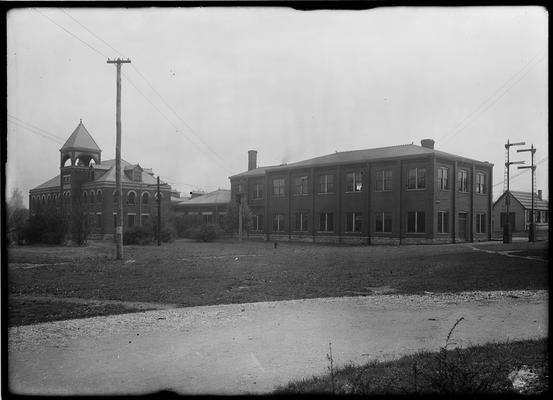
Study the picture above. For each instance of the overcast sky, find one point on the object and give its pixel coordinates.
(205, 85)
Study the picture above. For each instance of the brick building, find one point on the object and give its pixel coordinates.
(398, 194)
(205, 208)
(87, 183)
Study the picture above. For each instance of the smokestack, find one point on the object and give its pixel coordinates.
(539, 194)
(428, 143)
(252, 159)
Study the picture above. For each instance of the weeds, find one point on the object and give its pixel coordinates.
(474, 370)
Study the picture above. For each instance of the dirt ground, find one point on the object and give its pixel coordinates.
(254, 347)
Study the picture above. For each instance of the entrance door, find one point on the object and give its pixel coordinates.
(463, 226)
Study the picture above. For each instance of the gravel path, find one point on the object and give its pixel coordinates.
(251, 348)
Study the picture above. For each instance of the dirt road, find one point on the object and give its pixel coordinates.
(252, 348)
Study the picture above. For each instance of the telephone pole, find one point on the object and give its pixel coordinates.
(507, 234)
(532, 229)
(158, 214)
(118, 185)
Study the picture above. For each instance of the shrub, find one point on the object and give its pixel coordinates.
(206, 232)
(45, 228)
(138, 235)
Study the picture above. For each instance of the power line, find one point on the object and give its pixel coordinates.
(523, 171)
(36, 132)
(163, 115)
(178, 116)
(72, 34)
(36, 127)
(140, 92)
(93, 34)
(484, 106)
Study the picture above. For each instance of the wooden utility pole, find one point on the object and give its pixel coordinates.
(532, 230)
(118, 185)
(158, 214)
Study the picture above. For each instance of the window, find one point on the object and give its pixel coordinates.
(131, 198)
(354, 182)
(480, 223)
(91, 198)
(354, 222)
(84, 197)
(462, 178)
(99, 220)
(130, 220)
(538, 216)
(443, 221)
(415, 222)
(145, 197)
(326, 184)
(115, 220)
(207, 218)
(480, 183)
(278, 222)
(383, 222)
(257, 191)
(301, 222)
(115, 197)
(257, 221)
(66, 179)
(144, 219)
(443, 178)
(278, 187)
(326, 222)
(99, 196)
(301, 185)
(383, 180)
(416, 178)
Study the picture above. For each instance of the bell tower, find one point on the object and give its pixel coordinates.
(76, 158)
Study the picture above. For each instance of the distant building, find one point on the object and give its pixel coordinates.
(520, 205)
(396, 194)
(87, 183)
(206, 208)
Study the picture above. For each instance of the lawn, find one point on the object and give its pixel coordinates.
(190, 274)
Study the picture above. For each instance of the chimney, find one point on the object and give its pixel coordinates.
(428, 143)
(252, 159)
(539, 194)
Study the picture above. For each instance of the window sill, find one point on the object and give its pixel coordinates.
(325, 193)
(355, 191)
(415, 190)
(383, 191)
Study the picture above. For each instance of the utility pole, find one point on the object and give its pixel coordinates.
(118, 185)
(532, 230)
(158, 214)
(507, 234)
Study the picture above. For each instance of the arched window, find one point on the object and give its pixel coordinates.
(91, 198)
(145, 197)
(84, 197)
(99, 196)
(131, 198)
(43, 199)
(155, 196)
(115, 196)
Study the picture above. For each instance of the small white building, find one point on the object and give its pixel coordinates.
(519, 211)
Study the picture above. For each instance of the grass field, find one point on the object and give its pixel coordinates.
(190, 274)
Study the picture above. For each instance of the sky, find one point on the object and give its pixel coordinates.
(205, 85)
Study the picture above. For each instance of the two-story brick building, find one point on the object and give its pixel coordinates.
(88, 183)
(397, 194)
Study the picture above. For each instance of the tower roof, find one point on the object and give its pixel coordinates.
(80, 139)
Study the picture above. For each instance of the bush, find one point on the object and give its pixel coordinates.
(138, 235)
(45, 228)
(206, 233)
